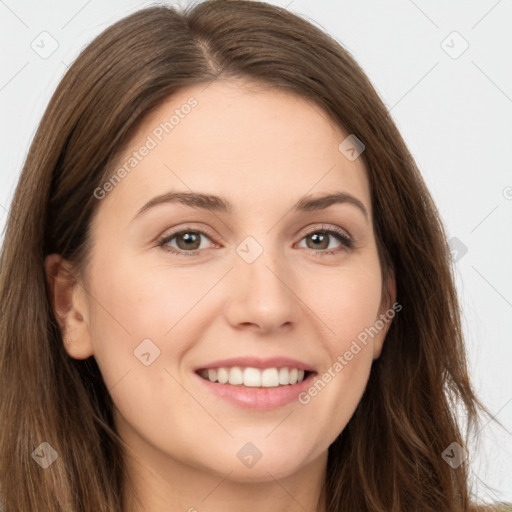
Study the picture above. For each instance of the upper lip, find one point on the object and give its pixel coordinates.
(258, 362)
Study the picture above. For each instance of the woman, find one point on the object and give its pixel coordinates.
(224, 284)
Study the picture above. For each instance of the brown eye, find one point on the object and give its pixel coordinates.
(187, 242)
(319, 240)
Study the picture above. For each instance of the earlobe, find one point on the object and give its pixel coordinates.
(69, 306)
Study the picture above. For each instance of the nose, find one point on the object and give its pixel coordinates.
(261, 294)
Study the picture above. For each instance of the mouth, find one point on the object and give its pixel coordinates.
(252, 382)
(257, 389)
(250, 377)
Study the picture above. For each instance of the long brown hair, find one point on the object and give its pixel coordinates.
(389, 456)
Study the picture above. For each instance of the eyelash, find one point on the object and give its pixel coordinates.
(345, 240)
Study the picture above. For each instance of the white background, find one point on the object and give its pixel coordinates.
(455, 114)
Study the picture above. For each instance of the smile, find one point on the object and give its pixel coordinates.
(254, 377)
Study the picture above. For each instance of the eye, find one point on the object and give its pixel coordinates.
(188, 241)
(320, 239)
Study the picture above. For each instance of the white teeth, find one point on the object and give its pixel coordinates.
(269, 377)
(222, 375)
(236, 376)
(254, 377)
(284, 376)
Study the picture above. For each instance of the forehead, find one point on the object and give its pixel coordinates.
(256, 145)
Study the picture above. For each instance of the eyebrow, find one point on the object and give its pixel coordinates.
(214, 203)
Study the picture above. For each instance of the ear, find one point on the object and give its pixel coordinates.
(387, 312)
(69, 305)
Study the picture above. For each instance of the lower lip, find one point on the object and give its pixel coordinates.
(262, 399)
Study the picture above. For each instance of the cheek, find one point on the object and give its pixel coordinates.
(144, 302)
(348, 301)
(349, 309)
(128, 307)
(139, 317)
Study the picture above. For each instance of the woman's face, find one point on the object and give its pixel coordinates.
(266, 281)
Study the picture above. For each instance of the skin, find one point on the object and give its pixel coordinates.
(262, 150)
